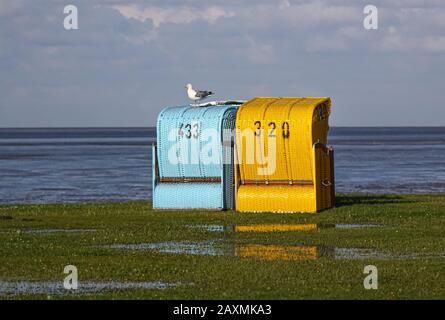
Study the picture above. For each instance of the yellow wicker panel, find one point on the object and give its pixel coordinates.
(276, 198)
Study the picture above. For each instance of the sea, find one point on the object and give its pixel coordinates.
(82, 165)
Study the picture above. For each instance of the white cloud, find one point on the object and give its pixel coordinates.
(322, 43)
(8, 7)
(392, 40)
(245, 48)
(284, 4)
(260, 53)
(421, 18)
(395, 40)
(316, 13)
(175, 15)
(434, 44)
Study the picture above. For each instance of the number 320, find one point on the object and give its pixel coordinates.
(272, 128)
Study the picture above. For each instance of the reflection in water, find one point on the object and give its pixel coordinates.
(277, 252)
(266, 252)
(56, 287)
(280, 227)
(274, 252)
(276, 227)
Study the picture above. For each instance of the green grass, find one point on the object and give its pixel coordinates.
(413, 231)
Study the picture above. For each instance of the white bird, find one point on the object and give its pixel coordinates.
(197, 95)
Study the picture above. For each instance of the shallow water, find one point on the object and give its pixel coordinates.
(47, 231)
(50, 231)
(56, 288)
(208, 248)
(355, 226)
(268, 252)
(97, 165)
(280, 227)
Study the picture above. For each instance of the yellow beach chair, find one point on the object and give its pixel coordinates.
(284, 164)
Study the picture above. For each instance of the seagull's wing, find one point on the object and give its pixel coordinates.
(203, 94)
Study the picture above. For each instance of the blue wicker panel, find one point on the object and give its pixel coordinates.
(188, 196)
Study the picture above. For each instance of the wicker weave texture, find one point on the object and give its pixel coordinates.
(188, 196)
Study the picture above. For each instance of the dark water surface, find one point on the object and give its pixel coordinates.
(96, 165)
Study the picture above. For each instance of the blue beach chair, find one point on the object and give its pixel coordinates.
(193, 158)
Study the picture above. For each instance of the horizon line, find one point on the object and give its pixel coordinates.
(154, 127)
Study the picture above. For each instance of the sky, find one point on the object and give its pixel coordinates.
(129, 59)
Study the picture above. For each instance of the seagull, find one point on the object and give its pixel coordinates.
(197, 95)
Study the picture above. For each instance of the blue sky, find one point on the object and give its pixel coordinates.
(129, 59)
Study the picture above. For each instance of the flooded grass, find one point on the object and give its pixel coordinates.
(226, 255)
(220, 247)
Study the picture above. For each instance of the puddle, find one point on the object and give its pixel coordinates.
(269, 252)
(355, 226)
(30, 219)
(211, 227)
(361, 254)
(51, 231)
(46, 231)
(56, 287)
(7, 217)
(260, 251)
(280, 227)
(208, 248)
